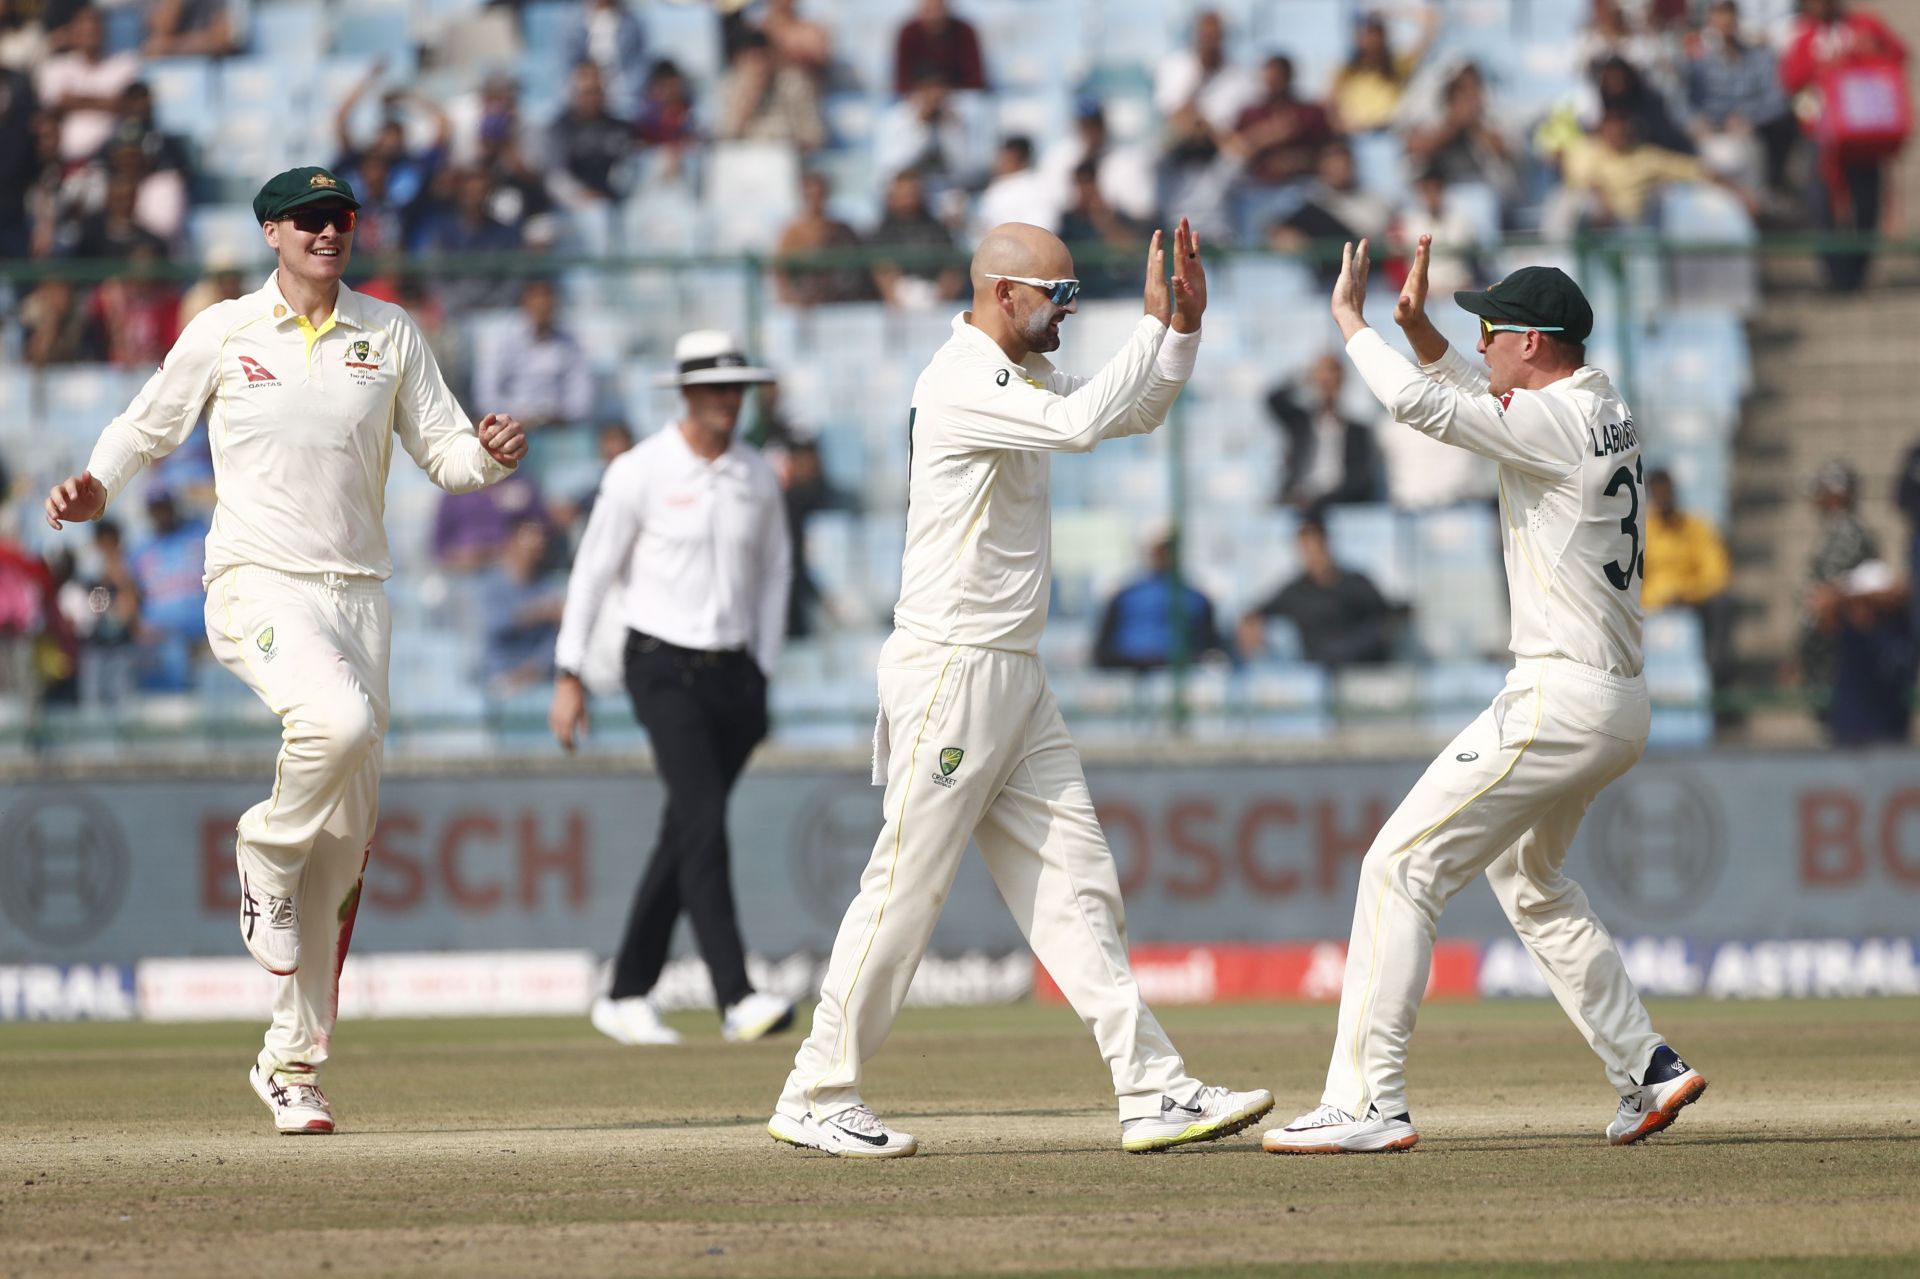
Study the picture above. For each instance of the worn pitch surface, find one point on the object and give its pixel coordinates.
(535, 1147)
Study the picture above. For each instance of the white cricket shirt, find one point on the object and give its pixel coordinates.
(1573, 527)
(978, 566)
(703, 547)
(302, 428)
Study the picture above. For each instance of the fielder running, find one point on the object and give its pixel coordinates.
(309, 383)
(969, 740)
(1508, 794)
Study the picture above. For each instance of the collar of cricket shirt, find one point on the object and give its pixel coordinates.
(346, 306)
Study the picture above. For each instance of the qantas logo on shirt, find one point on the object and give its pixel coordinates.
(257, 372)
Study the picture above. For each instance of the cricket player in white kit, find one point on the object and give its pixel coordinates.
(970, 743)
(1507, 795)
(308, 385)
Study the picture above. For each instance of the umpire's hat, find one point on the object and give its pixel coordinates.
(709, 357)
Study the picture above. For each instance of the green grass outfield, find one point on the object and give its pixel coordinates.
(535, 1147)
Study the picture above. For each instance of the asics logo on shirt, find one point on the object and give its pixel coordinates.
(256, 371)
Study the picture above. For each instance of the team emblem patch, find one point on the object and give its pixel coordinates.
(264, 642)
(950, 757)
(362, 361)
(321, 180)
(257, 373)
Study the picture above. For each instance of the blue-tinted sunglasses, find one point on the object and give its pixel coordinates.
(1059, 292)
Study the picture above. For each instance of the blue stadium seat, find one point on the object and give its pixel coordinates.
(288, 30)
(126, 27)
(687, 34)
(185, 96)
(372, 32)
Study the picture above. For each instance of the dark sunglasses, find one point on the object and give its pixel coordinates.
(314, 221)
(1059, 292)
(1488, 328)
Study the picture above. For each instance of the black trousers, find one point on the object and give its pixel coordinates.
(1846, 271)
(704, 713)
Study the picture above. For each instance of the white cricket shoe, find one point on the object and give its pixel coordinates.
(853, 1133)
(633, 1020)
(299, 1108)
(1210, 1114)
(1670, 1085)
(270, 926)
(755, 1017)
(1332, 1131)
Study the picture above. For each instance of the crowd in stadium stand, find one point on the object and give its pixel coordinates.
(1670, 91)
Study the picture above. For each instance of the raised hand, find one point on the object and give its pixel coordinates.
(502, 435)
(1350, 290)
(77, 498)
(1411, 309)
(1189, 279)
(1159, 299)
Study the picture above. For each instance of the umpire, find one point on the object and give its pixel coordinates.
(693, 521)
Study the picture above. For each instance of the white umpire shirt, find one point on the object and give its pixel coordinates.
(1573, 525)
(703, 547)
(302, 428)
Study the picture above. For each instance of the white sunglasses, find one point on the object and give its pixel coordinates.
(1059, 292)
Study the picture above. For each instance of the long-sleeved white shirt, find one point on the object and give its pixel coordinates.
(978, 566)
(302, 428)
(703, 547)
(1573, 528)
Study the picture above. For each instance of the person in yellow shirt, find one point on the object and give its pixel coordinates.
(1366, 91)
(1621, 176)
(1687, 564)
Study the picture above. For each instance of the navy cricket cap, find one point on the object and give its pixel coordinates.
(297, 188)
(1542, 297)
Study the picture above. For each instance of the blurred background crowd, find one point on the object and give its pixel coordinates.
(556, 189)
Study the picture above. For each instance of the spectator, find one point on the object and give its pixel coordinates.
(804, 482)
(84, 86)
(767, 99)
(1844, 545)
(490, 116)
(1621, 87)
(1089, 219)
(168, 568)
(19, 161)
(665, 121)
(1278, 137)
(812, 232)
(594, 151)
(1906, 495)
(1464, 144)
(520, 198)
(610, 37)
(1340, 616)
(925, 132)
(48, 196)
(935, 40)
(1018, 192)
(1831, 47)
(798, 43)
(1366, 91)
(1613, 35)
(1613, 180)
(160, 196)
(1738, 114)
(1687, 567)
(1197, 90)
(23, 36)
(382, 222)
(190, 29)
(1453, 230)
(1126, 173)
(519, 605)
(1335, 209)
(469, 227)
(470, 530)
(409, 173)
(113, 231)
(58, 326)
(1330, 458)
(1138, 628)
(138, 310)
(31, 625)
(907, 224)
(108, 622)
(1865, 619)
(534, 369)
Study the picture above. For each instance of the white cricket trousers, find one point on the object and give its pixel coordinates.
(972, 746)
(1506, 798)
(313, 647)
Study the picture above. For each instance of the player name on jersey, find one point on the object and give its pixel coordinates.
(1614, 437)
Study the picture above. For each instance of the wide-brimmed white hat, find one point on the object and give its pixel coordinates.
(709, 357)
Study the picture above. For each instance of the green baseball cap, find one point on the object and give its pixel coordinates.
(1541, 297)
(297, 188)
